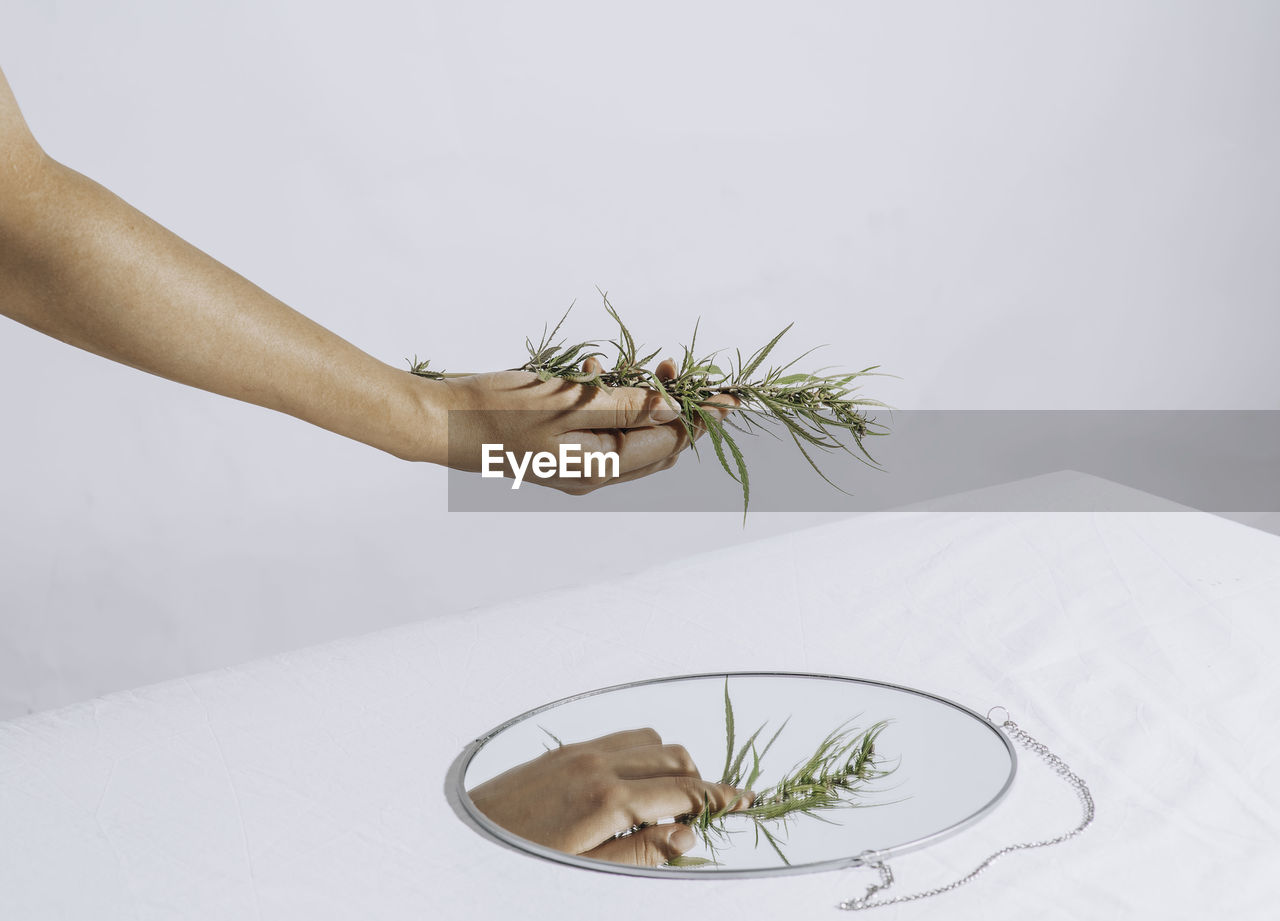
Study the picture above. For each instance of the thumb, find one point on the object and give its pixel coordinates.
(648, 847)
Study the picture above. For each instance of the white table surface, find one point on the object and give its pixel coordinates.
(311, 785)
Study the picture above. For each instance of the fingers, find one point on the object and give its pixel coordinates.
(669, 448)
(642, 426)
(642, 451)
(652, 799)
(638, 407)
(621, 408)
(718, 406)
(581, 489)
(666, 443)
(727, 400)
(642, 447)
(654, 761)
(628, 738)
(648, 847)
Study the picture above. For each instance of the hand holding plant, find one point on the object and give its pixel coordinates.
(524, 413)
(820, 412)
(599, 798)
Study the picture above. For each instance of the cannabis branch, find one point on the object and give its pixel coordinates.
(821, 412)
(842, 766)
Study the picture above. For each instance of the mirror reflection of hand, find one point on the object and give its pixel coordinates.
(578, 797)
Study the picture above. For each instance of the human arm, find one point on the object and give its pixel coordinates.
(81, 265)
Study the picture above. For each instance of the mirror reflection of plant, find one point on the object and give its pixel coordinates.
(814, 409)
(840, 768)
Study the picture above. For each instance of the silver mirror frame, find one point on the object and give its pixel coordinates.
(456, 792)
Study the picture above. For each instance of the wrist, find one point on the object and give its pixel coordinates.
(425, 435)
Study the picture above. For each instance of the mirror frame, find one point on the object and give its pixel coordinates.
(460, 801)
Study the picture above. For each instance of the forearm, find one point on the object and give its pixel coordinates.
(80, 264)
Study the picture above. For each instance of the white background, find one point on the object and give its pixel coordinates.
(1007, 205)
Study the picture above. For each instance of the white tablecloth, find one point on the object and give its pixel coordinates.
(311, 785)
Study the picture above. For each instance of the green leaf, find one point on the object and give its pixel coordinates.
(715, 431)
(728, 731)
(773, 842)
(775, 737)
(742, 471)
(754, 361)
(735, 772)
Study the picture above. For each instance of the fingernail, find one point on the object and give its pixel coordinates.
(682, 838)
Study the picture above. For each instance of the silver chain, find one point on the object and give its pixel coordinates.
(1056, 764)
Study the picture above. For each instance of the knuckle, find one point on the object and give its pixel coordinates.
(610, 441)
(683, 760)
(607, 797)
(586, 764)
(716, 793)
(696, 793)
(599, 794)
(614, 801)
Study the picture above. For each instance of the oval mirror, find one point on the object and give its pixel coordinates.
(772, 773)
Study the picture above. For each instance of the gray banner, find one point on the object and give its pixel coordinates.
(1065, 460)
